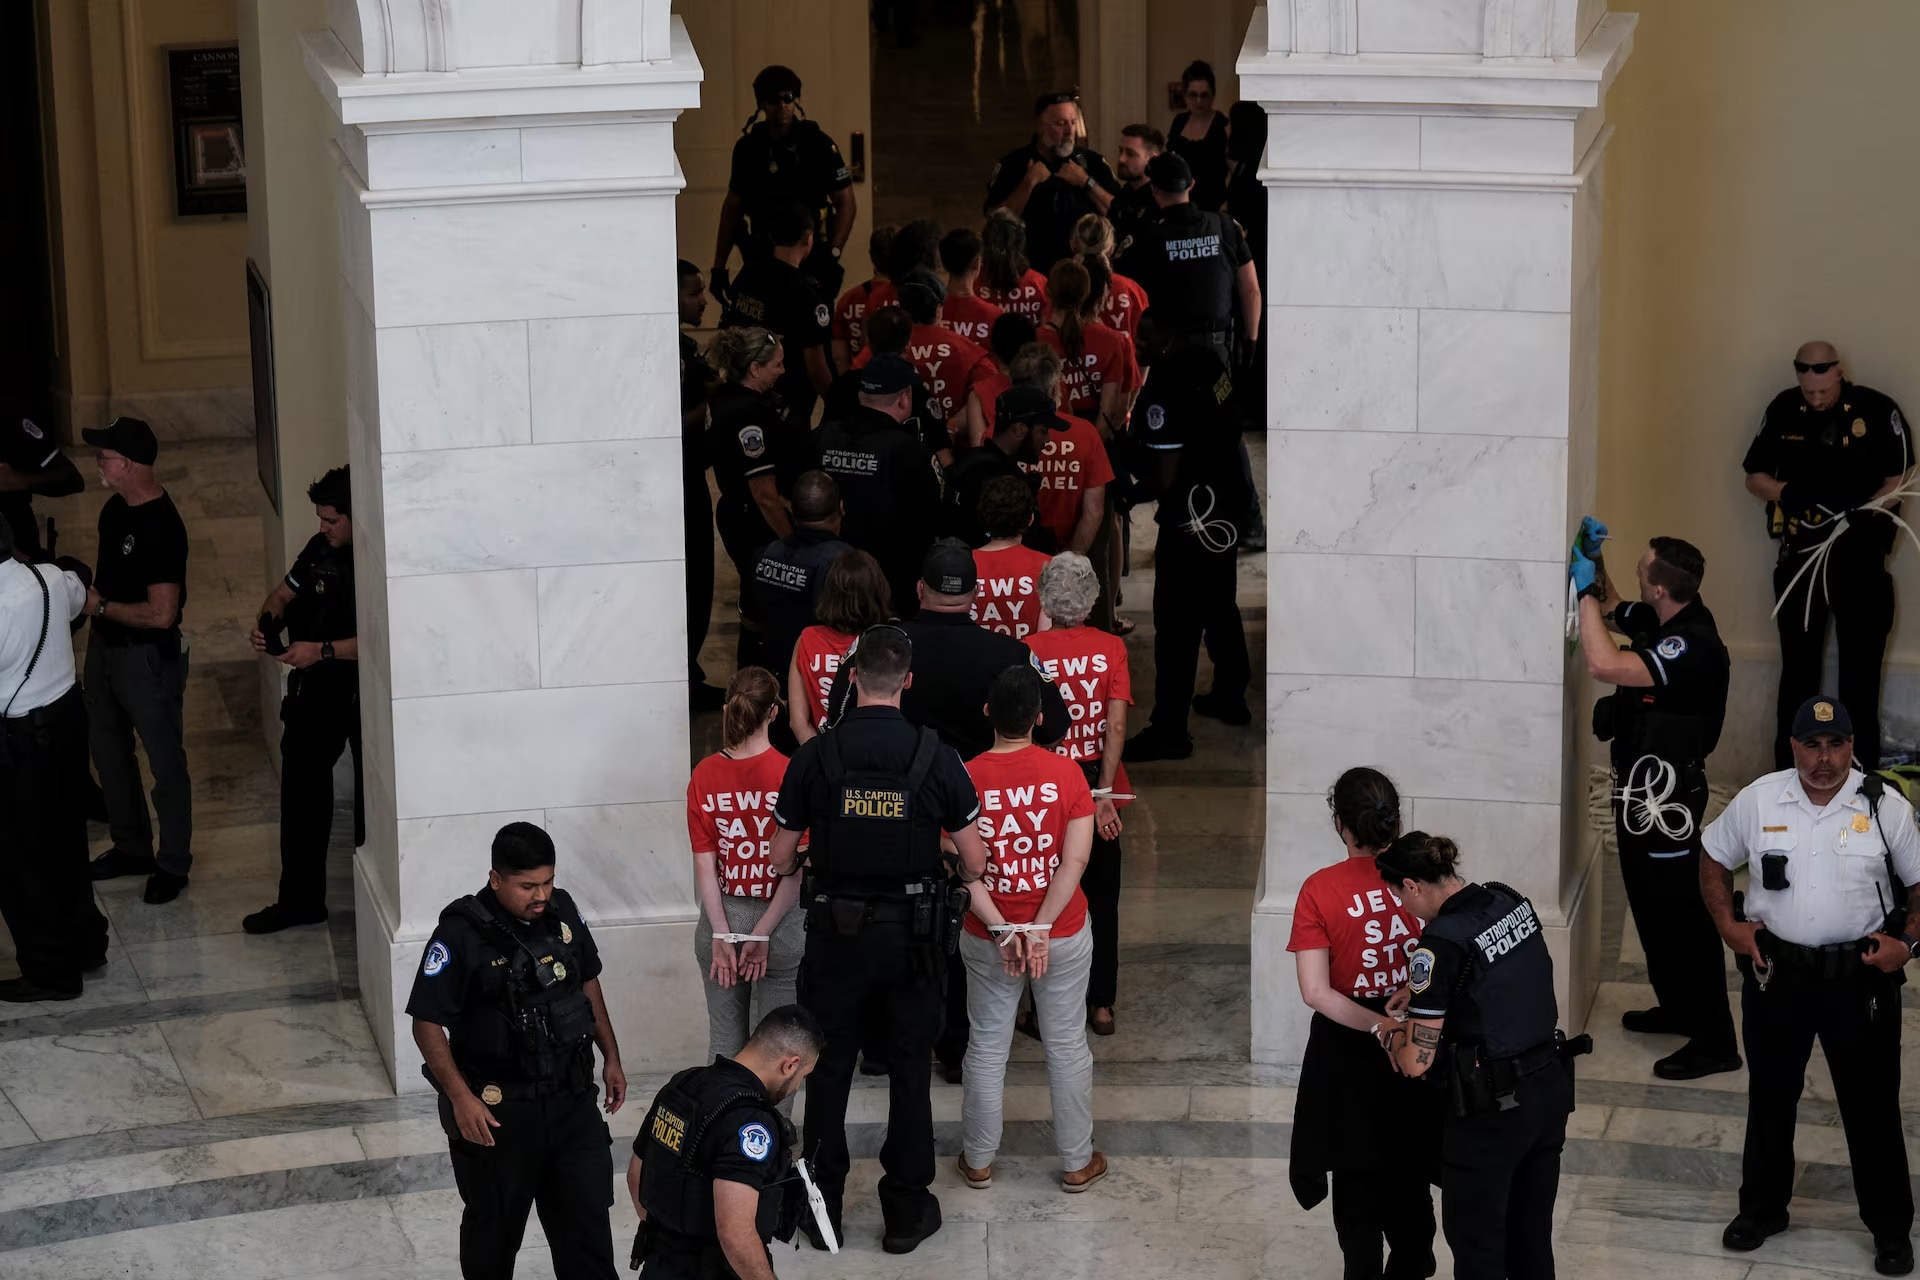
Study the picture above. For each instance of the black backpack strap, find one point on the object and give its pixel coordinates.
(492, 929)
(923, 754)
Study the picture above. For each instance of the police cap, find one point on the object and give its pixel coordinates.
(24, 444)
(886, 376)
(1029, 405)
(774, 81)
(1169, 172)
(1819, 716)
(948, 568)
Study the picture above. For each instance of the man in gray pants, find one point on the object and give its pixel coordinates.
(137, 663)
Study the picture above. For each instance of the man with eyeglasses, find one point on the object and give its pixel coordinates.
(784, 159)
(1052, 181)
(1825, 448)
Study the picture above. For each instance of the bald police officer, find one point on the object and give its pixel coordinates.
(787, 577)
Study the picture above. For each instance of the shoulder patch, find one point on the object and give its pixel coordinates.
(32, 428)
(1420, 971)
(437, 958)
(753, 442)
(822, 316)
(1156, 417)
(1671, 647)
(756, 1143)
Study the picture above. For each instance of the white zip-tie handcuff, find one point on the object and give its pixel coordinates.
(1647, 804)
(743, 937)
(1008, 932)
(1108, 793)
(1206, 531)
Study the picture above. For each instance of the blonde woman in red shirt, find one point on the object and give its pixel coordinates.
(1125, 301)
(730, 800)
(1097, 369)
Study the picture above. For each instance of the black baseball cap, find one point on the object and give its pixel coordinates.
(1170, 173)
(1054, 99)
(25, 445)
(131, 438)
(948, 568)
(1030, 405)
(1821, 715)
(921, 278)
(886, 376)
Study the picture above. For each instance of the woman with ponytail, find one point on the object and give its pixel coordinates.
(1125, 301)
(1375, 1131)
(730, 800)
(1097, 369)
(1006, 280)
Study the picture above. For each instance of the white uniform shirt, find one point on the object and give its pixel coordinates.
(20, 609)
(1836, 864)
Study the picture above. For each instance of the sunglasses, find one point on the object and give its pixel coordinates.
(1818, 366)
(785, 99)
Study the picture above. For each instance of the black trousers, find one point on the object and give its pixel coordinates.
(1194, 602)
(696, 511)
(1499, 1174)
(46, 896)
(1684, 960)
(1397, 1208)
(553, 1155)
(745, 536)
(132, 689)
(881, 972)
(320, 719)
(1859, 598)
(1101, 883)
(1857, 1021)
(955, 1027)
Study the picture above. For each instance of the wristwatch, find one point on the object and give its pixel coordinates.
(834, 250)
(1913, 945)
(100, 610)
(326, 650)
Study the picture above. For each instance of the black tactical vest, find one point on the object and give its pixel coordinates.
(676, 1185)
(1504, 1001)
(874, 828)
(541, 1021)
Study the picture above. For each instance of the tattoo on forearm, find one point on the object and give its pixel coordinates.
(1425, 1035)
(1423, 1058)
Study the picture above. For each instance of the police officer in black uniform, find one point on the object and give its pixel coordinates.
(712, 1173)
(888, 333)
(1024, 420)
(1663, 719)
(874, 793)
(506, 1011)
(787, 577)
(758, 450)
(1053, 181)
(31, 465)
(774, 293)
(697, 378)
(1189, 462)
(1825, 447)
(1480, 1013)
(321, 709)
(887, 479)
(785, 159)
(1194, 265)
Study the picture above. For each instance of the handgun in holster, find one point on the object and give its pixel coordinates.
(642, 1245)
(1471, 1084)
(926, 918)
(958, 900)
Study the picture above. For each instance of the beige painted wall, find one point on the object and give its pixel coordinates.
(1760, 192)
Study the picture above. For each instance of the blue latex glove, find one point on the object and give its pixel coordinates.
(1582, 570)
(1592, 534)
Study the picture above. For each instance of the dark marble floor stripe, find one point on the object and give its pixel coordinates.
(138, 1011)
(1185, 953)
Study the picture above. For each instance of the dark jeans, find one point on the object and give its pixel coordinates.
(1857, 1021)
(1684, 962)
(882, 972)
(1397, 1208)
(1499, 1175)
(46, 896)
(1193, 601)
(1101, 883)
(134, 689)
(1859, 597)
(321, 721)
(553, 1155)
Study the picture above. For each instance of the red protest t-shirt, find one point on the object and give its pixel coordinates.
(1089, 667)
(1027, 798)
(1028, 298)
(818, 652)
(947, 363)
(850, 314)
(1008, 597)
(969, 317)
(1123, 306)
(730, 816)
(1075, 460)
(1106, 359)
(1368, 935)
(989, 386)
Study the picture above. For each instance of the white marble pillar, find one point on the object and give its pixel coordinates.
(1434, 198)
(507, 181)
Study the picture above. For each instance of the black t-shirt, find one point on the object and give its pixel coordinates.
(1187, 260)
(1206, 157)
(1054, 206)
(1841, 454)
(750, 434)
(775, 296)
(744, 1148)
(140, 547)
(1182, 409)
(1686, 705)
(801, 168)
(461, 972)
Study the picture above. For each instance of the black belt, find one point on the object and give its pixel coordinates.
(41, 716)
(492, 1091)
(878, 910)
(1826, 963)
(119, 638)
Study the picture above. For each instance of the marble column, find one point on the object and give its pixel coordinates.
(1434, 199)
(507, 179)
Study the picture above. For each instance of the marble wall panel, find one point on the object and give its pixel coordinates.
(453, 386)
(1335, 614)
(1516, 844)
(1371, 493)
(1300, 835)
(442, 858)
(441, 158)
(535, 505)
(613, 624)
(627, 861)
(1300, 140)
(356, 238)
(464, 633)
(523, 259)
(601, 377)
(1418, 247)
(1421, 26)
(1498, 373)
(575, 152)
(594, 745)
(1490, 620)
(1469, 739)
(1343, 368)
(1496, 144)
(511, 33)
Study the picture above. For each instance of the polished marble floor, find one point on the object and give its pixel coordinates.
(213, 1108)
